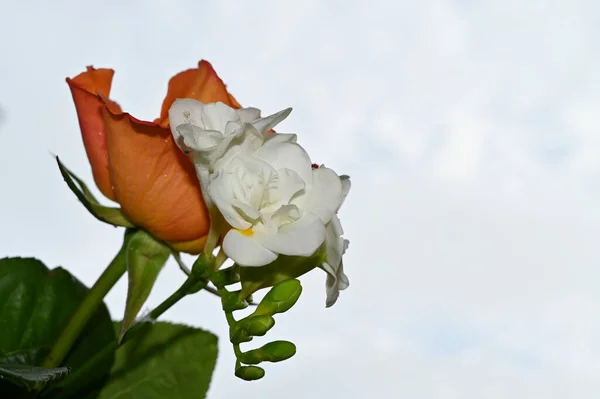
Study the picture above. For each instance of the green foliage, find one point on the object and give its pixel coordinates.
(103, 213)
(145, 259)
(164, 361)
(36, 305)
(27, 376)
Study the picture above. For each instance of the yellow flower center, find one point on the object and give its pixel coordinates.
(248, 232)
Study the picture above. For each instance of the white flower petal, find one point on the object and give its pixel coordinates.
(336, 281)
(335, 247)
(245, 250)
(300, 238)
(251, 214)
(269, 122)
(249, 114)
(184, 111)
(220, 191)
(280, 190)
(215, 116)
(334, 243)
(280, 138)
(324, 196)
(345, 187)
(194, 138)
(285, 155)
(245, 141)
(286, 214)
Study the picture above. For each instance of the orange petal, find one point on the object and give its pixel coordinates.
(202, 84)
(88, 90)
(154, 181)
(191, 247)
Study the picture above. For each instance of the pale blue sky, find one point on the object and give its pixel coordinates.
(470, 131)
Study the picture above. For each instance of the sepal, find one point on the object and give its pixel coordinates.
(103, 213)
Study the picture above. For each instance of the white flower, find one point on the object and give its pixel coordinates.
(275, 202)
(335, 247)
(211, 130)
(263, 185)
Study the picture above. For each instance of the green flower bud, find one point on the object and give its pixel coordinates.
(231, 301)
(225, 277)
(250, 373)
(280, 298)
(275, 351)
(282, 269)
(258, 325)
(239, 335)
(245, 329)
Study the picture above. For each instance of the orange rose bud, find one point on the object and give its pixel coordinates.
(137, 163)
(88, 90)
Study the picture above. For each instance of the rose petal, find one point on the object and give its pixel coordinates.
(90, 90)
(202, 84)
(154, 181)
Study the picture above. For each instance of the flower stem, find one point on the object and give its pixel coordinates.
(191, 282)
(175, 297)
(87, 307)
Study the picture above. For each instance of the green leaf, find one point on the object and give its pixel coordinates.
(36, 304)
(164, 361)
(145, 259)
(103, 213)
(282, 269)
(27, 376)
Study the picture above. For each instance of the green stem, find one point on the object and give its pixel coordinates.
(211, 240)
(184, 290)
(174, 298)
(219, 259)
(87, 307)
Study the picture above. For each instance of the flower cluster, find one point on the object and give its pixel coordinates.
(265, 196)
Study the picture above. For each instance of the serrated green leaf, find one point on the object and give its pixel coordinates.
(163, 361)
(27, 376)
(145, 259)
(103, 213)
(36, 305)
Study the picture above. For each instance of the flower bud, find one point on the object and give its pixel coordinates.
(250, 373)
(258, 325)
(282, 269)
(275, 351)
(280, 298)
(231, 301)
(226, 277)
(245, 329)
